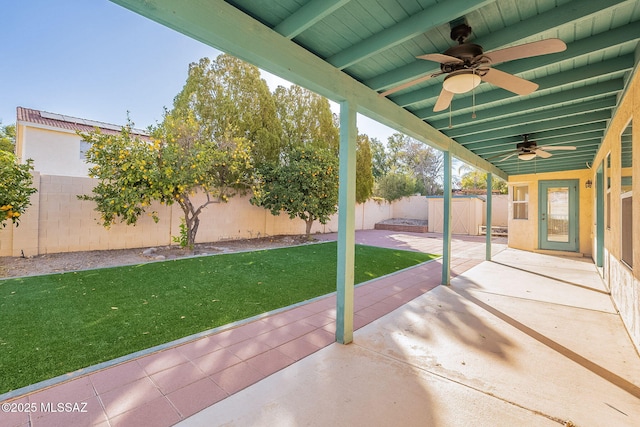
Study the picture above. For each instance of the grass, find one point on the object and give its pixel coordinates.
(54, 324)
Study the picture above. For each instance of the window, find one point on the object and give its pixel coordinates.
(626, 196)
(520, 202)
(84, 147)
(607, 179)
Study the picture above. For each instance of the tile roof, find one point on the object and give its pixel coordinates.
(67, 122)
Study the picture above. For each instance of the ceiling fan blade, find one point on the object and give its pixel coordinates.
(510, 155)
(527, 50)
(509, 82)
(408, 84)
(440, 58)
(558, 148)
(541, 153)
(444, 100)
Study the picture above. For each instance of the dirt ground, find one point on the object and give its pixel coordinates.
(73, 261)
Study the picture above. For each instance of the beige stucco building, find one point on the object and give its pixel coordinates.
(52, 141)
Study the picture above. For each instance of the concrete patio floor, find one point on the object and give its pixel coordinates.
(528, 339)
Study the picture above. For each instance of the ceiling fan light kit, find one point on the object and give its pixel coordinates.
(461, 81)
(526, 156)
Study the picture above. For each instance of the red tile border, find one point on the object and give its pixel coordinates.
(128, 397)
(196, 397)
(158, 413)
(236, 377)
(117, 376)
(177, 377)
(164, 387)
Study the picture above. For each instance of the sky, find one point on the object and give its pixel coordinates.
(96, 60)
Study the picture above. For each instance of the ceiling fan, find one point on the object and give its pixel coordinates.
(466, 66)
(527, 150)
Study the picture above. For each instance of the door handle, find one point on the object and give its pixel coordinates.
(544, 216)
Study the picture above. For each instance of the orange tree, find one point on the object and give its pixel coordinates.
(171, 166)
(304, 185)
(15, 187)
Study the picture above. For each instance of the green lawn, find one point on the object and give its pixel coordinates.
(54, 324)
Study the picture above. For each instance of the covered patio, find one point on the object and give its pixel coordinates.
(510, 342)
(531, 339)
(486, 336)
(547, 94)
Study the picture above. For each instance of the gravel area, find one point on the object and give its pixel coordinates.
(73, 261)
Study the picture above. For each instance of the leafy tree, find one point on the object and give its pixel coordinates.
(230, 100)
(15, 187)
(304, 185)
(379, 160)
(303, 179)
(7, 137)
(306, 119)
(407, 156)
(171, 167)
(364, 175)
(396, 185)
(426, 163)
(477, 180)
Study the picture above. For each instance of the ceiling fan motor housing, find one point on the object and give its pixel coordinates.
(466, 53)
(526, 145)
(460, 32)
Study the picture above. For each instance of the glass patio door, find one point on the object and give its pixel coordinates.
(558, 215)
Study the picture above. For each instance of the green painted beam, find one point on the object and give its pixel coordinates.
(567, 12)
(574, 10)
(546, 169)
(585, 98)
(446, 237)
(220, 25)
(548, 123)
(415, 25)
(346, 224)
(309, 14)
(542, 114)
(489, 207)
(471, 142)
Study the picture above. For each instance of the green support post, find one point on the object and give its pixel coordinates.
(346, 224)
(489, 210)
(446, 238)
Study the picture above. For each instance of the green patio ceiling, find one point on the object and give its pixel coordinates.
(352, 50)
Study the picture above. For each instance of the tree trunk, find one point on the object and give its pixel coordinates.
(191, 221)
(309, 222)
(193, 230)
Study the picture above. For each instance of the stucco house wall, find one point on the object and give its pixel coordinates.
(523, 233)
(54, 151)
(622, 279)
(51, 140)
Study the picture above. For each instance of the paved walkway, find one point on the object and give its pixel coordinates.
(527, 340)
(165, 387)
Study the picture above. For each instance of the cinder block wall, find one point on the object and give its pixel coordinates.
(57, 221)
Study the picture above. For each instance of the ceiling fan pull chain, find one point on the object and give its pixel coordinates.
(450, 120)
(473, 100)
